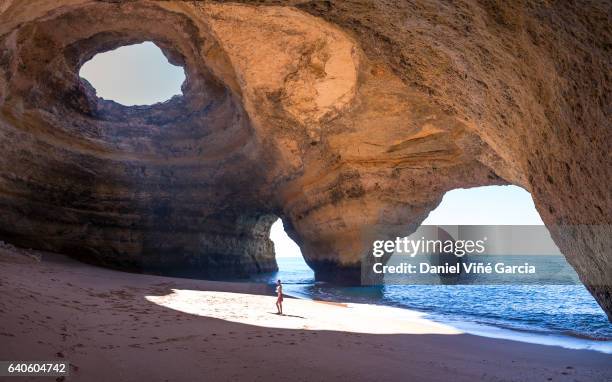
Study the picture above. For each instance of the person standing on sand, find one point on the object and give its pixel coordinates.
(279, 297)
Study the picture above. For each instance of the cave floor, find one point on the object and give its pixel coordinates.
(120, 326)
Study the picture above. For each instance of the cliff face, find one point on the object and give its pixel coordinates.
(340, 117)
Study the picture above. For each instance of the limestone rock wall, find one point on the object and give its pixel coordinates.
(338, 116)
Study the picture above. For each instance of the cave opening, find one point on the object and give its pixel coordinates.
(292, 268)
(488, 205)
(524, 307)
(134, 75)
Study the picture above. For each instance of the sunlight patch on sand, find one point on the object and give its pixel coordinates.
(259, 310)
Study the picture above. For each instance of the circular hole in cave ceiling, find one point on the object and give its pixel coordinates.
(132, 75)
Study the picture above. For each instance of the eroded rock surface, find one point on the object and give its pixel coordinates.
(342, 117)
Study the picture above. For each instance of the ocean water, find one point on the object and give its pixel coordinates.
(564, 315)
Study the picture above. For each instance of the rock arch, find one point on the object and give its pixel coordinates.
(339, 117)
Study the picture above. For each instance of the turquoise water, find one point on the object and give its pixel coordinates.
(551, 310)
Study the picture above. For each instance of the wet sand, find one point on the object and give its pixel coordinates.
(116, 326)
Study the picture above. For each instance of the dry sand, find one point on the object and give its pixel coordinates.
(116, 326)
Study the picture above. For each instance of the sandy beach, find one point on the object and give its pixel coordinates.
(117, 326)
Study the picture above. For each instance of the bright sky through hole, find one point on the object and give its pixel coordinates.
(137, 74)
(140, 74)
(489, 205)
